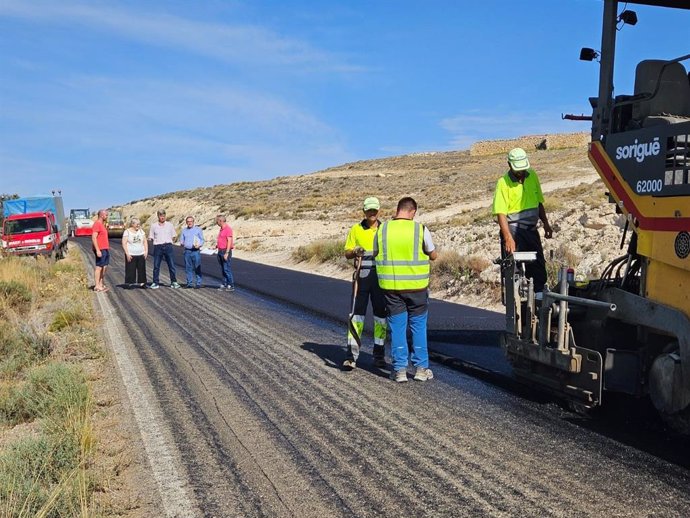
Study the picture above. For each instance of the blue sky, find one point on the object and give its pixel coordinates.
(113, 101)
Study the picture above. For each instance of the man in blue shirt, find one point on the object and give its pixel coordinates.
(192, 238)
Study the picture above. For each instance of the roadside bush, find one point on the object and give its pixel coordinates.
(44, 476)
(66, 318)
(321, 251)
(19, 349)
(15, 294)
(51, 391)
(65, 267)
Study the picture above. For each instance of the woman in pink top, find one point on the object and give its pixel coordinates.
(225, 245)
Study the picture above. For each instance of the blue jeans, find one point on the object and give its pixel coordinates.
(225, 271)
(404, 308)
(160, 252)
(192, 265)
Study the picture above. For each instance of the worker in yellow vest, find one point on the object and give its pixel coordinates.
(360, 243)
(403, 249)
(518, 206)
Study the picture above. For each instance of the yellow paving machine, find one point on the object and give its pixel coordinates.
(628, 331)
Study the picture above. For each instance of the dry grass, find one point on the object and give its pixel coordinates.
(561, 256)
(471, 217)
(592, 195)
(451, 265)
(46, 469)
(454, 273)
(321, 251)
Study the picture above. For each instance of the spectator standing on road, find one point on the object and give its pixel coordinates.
(192, 239)
(101, 248)
(403, 249)
(518, 206)
(360, 244)
(225, 245)
(136, 249)
(163, 234)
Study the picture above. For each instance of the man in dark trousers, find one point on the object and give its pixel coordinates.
(360, 243)
(518, 206)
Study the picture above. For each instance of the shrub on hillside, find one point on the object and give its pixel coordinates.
(451, 264)
(320, 251)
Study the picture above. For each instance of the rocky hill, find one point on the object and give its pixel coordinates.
(273, 219)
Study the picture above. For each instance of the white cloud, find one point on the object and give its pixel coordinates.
(146, 137)
(240, 43)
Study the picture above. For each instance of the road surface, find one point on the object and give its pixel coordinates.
(245, 412)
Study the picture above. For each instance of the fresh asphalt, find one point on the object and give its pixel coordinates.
(265, 423)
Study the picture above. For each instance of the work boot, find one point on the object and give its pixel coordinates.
(379, 357)
(349, 364)
(423, 374)
(399, 376)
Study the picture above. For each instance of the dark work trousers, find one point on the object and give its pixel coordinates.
(135, 270)
(528, 240)
(368, 289)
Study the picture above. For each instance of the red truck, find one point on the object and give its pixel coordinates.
(34, 226)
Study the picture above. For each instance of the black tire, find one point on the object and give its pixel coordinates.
(665, 380)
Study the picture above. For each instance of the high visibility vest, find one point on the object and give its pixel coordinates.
(401, 263)
(362, 235)
(519, 201)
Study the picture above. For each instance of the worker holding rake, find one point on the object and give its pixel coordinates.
(365, 286)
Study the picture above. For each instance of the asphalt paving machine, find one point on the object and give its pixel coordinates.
(628, 331)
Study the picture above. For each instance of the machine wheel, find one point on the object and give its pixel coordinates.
(667, 390)
(580, 408)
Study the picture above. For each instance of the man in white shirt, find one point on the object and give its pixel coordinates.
(162, 234)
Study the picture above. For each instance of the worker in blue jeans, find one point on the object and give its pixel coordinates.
(192, 239)
(403, 249)
(226, 243)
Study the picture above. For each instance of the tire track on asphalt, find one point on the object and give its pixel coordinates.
(174, 359)
(211, 466)
(449, 448)
(416, 462)
(330, 411)
(286, 416)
